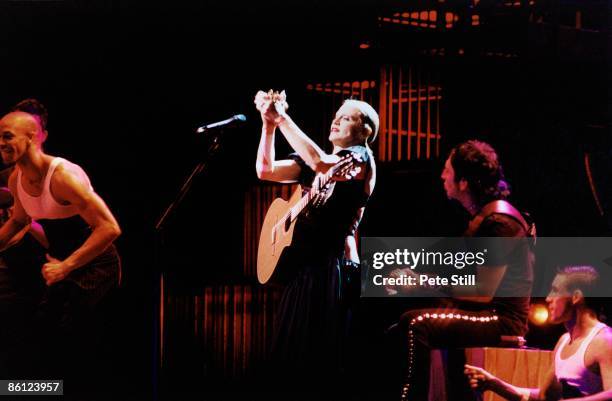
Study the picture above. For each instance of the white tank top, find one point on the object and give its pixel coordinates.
(45, 206)
(572, 369)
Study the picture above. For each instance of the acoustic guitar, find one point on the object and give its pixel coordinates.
(277, 230)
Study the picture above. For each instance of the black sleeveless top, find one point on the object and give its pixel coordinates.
(321, 230)
(511, 300)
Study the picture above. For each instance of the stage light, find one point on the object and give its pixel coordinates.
(538, 314)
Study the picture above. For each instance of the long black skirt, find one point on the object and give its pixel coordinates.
(314, 321)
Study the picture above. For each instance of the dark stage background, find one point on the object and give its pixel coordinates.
(126, 84)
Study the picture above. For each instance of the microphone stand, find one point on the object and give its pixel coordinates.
(158, 282)
(212, 149)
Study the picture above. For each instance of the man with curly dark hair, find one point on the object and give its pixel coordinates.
(498, 305)
(474, 164)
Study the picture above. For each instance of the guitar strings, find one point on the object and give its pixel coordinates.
(312, 194)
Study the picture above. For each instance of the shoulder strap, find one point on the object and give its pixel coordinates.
(52, 166)
(562, 344)
(20, 190)
(499, 207)
(594, 331)
(18, 176)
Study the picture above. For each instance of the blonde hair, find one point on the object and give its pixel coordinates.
(370, 116)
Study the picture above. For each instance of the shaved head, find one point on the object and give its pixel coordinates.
(19, 122)
(35, 108)
(20, 135)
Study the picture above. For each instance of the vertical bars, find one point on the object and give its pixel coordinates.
(400, 133)
(428, 135)
(410, 131)
(390, 116)
(382, 114)
(228, 325)
(409, 107)
(419, 116)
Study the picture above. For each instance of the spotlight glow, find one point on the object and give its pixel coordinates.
(538, 314)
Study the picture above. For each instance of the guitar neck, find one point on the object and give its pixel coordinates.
(323, 179)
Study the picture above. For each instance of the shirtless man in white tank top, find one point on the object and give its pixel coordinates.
(45, 187)
(582, 357)
(82, 267)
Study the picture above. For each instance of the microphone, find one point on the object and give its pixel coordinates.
(234, 120)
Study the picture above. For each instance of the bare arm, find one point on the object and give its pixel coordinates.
(605, 395)
(600, 350)
(67, 187)
(350, 248)
(511, 392)
(18, 221)
(273, 108)
(309, 151)
(273, 113)
(351, 251)
(549, 389)
(483, 380)
(267, 167)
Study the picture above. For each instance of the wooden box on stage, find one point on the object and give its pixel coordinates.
(520, 367)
